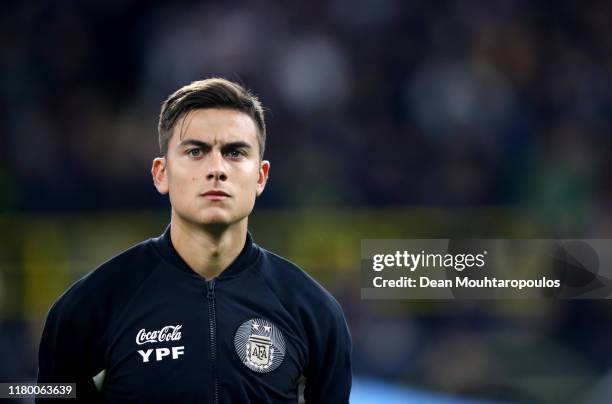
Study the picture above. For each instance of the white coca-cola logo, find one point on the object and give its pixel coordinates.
(167, 333)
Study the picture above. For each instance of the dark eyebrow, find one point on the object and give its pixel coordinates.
(193, 142)
(236, 145)
(204, 145)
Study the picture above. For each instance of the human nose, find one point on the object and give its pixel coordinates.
(216, 168)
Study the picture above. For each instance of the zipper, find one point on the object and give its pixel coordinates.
(212, 321)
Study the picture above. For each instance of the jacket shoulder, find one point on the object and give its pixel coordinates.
(106, 286)
(295, 287)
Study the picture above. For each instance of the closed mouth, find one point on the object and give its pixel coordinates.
(216, 193)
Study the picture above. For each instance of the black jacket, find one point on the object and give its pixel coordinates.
(162, 332)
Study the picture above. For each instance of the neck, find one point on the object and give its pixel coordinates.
(207, 250)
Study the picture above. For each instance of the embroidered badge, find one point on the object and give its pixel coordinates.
(260, 345)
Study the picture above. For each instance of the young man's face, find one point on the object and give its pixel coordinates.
(212, 170)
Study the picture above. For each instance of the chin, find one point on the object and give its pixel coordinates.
(214, 221)
(218, 218)
(213, 217)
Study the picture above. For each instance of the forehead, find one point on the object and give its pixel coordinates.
(215, 125)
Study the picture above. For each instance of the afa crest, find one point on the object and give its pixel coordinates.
(260, 345)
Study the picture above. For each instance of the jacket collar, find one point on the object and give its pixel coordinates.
(247, 257)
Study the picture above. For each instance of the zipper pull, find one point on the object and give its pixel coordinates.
(211, 289)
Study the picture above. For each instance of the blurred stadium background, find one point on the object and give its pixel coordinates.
(387, 118)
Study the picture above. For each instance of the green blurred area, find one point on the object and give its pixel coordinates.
(42, 255)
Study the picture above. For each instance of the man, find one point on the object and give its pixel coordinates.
(201, 313)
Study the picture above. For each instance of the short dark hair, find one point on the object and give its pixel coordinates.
(210, 93)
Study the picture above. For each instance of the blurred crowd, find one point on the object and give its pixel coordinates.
(371, 103)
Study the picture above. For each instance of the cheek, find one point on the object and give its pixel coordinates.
(253, 182)
(248, 175)
(179, 182)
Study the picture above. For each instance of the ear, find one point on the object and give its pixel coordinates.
(264, 169)
(160, 178)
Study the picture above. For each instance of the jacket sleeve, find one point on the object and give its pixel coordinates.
(70, 348)
(329, 374)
